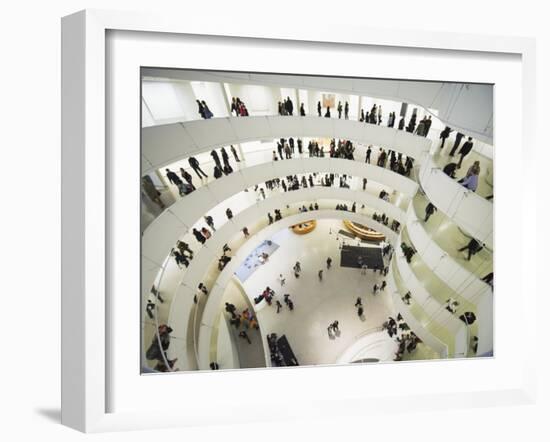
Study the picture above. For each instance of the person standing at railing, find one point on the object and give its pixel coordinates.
(319, 108)
(427, 125)
(444, 135)
(473, 247)
(216, 158)
(470, 181)
(210, 222)
(194, 163)
(327, 113)
(458, 139)
(302, 110)
(201, 109)
(289, 106)
(339, 109)
(187, 177)
(465, 150)
(207, 113)
(430, 210)
(401, 123)
(225, 157)
(234, 152)
(151, 191)
(369, 151)
(346, 111)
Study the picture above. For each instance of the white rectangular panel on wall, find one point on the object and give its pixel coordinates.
(316, 127)
(288, 167)
(192, 207)
(229, 185)
(212, 132)
(349, 130)
(378, 135)
(164, 144)
(258, 174)
(285, 126)
(158, 238)
(251, 128)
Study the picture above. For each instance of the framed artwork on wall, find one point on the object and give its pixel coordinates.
(214, 235)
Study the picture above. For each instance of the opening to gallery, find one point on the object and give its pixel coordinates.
(293, 220)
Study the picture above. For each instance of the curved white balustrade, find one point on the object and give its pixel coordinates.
(459, 279)
(213, 304)
(414, 324)
(373, 345)
(468, 210)
(212, 248)
(161, 235)
(462, 106)
(436, 311)
(162, 145)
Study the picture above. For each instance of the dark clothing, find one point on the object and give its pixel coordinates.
(195, 166)
(173, 178)
(458, 139)
(450, 169)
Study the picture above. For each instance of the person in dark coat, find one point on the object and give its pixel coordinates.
(401, 123)
(458, 140)
(302, 110)
(450, 169)
(430, 209)
(289, 106)
(187, 177)
(194, 163)
(173, 178)
(465, 150)
(199, 236)
(427, 125)
(319, 108)
(216, 158)
(201, 109)
(473, 247)
(234, 152)
(444, 135)
(225, 156)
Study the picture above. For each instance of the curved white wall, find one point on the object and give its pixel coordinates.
(415, 325)
(458, 278)
(432, 307)
(161, 235)
(213, 304)
(468, 210)
(162, 145)
(462, 106)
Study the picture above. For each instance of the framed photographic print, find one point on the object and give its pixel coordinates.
(237, 211)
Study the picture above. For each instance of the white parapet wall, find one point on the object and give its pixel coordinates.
(165, 144)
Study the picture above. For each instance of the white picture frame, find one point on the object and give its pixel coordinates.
(85, 218)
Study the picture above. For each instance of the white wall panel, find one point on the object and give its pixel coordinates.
(251, 128)
(285, 126)
(228, 185)
(470, 211)
(193, 206)
(415, 325)
(163, 144)
(158, 238)
(379, 135)
(212, 132)
(168, 143)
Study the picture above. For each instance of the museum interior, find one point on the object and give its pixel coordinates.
(292, 220)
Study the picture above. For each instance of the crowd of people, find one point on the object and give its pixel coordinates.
(238, 107)
(404, 336)
(158, 350)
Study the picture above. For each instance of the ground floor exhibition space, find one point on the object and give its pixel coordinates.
(319, 300)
